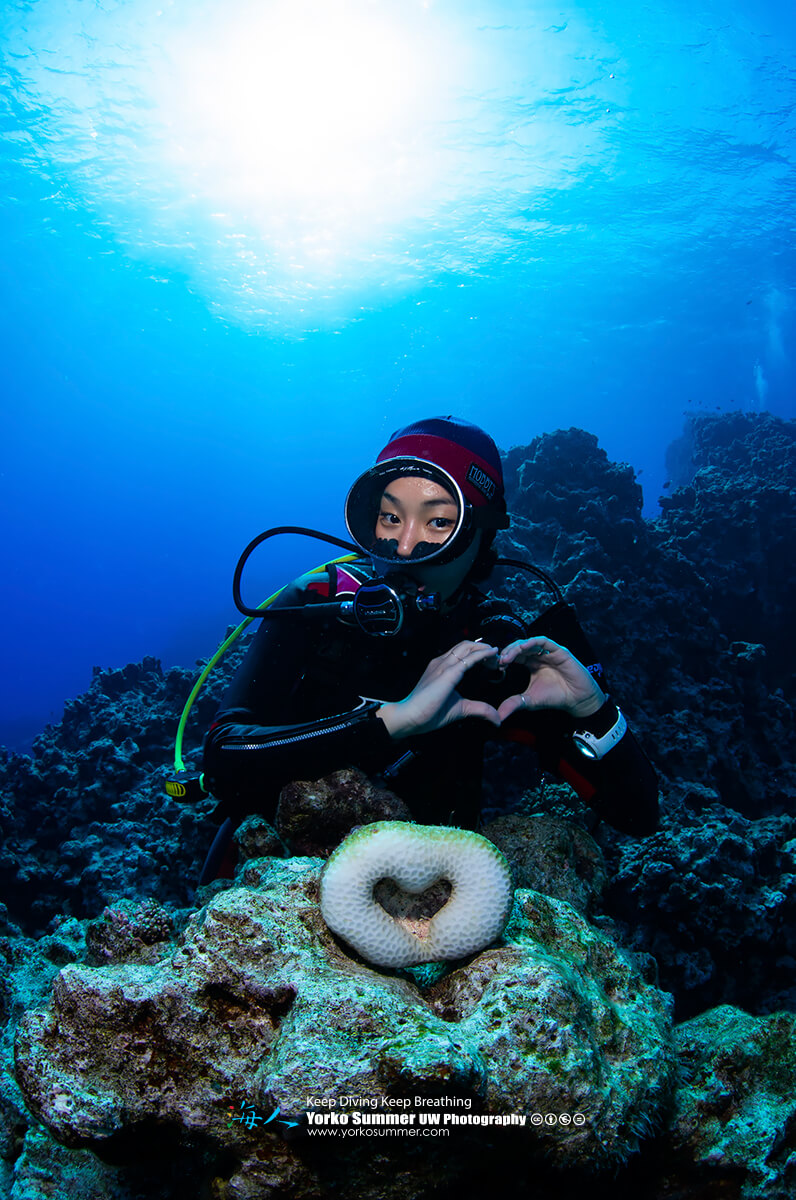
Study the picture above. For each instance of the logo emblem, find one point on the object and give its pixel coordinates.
(479, 479)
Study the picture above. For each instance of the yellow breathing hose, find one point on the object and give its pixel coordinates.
(179, 765)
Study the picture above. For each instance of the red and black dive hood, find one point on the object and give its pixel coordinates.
(460, 457)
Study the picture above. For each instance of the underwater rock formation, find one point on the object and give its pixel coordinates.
(84, 820)
(314, 817)
(691, 613)
(712, 895)
(28, 970)
(693, 625)
(729, 1124)
(735, 509)
(553, 856)
(257, 1005)
(735, 1115)
(129, 931)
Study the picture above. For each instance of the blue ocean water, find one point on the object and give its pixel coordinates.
(243, 242)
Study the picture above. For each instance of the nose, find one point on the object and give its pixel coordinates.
(410, 536)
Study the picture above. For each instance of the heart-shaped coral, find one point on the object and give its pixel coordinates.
(416, 859)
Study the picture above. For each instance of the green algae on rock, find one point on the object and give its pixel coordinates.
(258, 1005)
(566, 1024)
(735, 1112)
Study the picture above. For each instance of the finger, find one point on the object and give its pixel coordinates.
(511, 705)
(463, 649)
(466, 654)
(529, 647)
(477, 708)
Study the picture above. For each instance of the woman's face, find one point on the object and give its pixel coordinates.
(414, 510)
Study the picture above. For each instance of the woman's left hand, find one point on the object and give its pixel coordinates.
(558, 679)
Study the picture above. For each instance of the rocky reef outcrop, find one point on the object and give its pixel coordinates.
(169, 1063)
(712, 895)
(84, 819)
(553, 856)
(735, 1114)
(690, 612)
(257, 1008)
(313, 818)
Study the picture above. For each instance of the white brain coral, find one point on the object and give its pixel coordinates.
(416, 857)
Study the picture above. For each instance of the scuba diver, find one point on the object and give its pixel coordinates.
(397, 663)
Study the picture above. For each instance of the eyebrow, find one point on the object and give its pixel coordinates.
(426, 503)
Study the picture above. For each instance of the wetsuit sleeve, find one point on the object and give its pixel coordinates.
(622, 786)
(270, 731)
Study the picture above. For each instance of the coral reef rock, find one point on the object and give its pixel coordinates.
(314, 817)
(256, 838)
(736, 1109)
(551, 856)
(84, 820)
(692, 613)
(28, 970)
(256, 1008)
(712, 895)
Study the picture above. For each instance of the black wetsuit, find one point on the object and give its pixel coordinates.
(303, 703)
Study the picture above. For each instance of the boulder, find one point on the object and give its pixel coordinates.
(232, 1049)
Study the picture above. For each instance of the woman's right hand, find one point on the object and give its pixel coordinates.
(434, 702)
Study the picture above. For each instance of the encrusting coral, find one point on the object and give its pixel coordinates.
(736, 1111)
(258, 1005)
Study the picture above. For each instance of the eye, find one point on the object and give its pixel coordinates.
(441, 522)
(389, 518)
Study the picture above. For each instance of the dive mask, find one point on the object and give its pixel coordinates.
(363, 505)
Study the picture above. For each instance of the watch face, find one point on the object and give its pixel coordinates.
(585, 746)
(597, 747)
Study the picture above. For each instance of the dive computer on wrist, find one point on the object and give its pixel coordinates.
(592, 746)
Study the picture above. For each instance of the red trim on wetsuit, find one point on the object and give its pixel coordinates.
(580, 783)
(346, 584)
(526, 736)
(584, 787)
